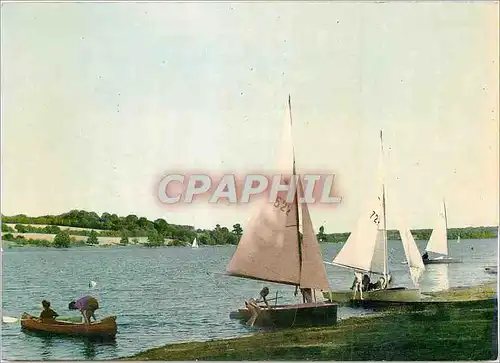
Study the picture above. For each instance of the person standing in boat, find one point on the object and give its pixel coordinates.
(47, 313)
(87, 306)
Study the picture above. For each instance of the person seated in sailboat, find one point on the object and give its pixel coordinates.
(425, 256)
(263, 294)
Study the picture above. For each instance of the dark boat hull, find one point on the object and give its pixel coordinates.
(434, 261)
(288, 316)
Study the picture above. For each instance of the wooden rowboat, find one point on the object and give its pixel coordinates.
(105, 328)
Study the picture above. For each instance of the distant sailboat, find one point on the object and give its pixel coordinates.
(195, 244)
(458, 239)
(365, 251)
(438, 241)
(271, 249)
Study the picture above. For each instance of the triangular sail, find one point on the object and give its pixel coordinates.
(438, 242)
(458, 239)
(312, 274)
(415, 263)
(364, 249)
(195, 244)
(269, 247)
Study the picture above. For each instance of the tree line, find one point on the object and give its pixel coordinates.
(159, 232)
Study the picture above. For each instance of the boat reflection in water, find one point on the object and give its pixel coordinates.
(437, 277)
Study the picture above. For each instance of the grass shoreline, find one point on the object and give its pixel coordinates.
(466, 329)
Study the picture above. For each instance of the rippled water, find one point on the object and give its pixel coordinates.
(172, 294)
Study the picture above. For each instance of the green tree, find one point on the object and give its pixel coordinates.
(155, 239)
(92, 240)
(62, 239)
(20, 228)
(124, 238)
(237, 231)
(8, 237)
(6, 228)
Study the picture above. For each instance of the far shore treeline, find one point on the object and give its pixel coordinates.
(159, 232)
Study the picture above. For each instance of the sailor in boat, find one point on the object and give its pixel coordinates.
(253, 305)
(47, 313)
(425, 256)
(87, 306)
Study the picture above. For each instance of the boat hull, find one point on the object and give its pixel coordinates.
(434, 261)
(105, 328)
(396, 294)
(288, 316)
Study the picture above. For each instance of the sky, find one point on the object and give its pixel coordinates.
(101, 100)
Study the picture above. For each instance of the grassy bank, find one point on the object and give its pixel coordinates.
(462, 331)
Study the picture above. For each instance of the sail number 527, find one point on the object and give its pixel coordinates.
(282, 205)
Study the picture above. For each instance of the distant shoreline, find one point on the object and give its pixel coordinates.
(78, 227)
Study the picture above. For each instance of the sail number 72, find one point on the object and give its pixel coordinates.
(375, 217)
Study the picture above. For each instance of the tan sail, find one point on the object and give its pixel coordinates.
(269, 247)
(313, 274)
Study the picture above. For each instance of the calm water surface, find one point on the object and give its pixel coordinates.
(173, 294)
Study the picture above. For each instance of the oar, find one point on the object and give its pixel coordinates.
(9, 319)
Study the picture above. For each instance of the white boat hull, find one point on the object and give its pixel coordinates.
(390, 294)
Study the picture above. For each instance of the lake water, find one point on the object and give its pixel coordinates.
(173, 294)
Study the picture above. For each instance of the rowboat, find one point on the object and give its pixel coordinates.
(105, 328)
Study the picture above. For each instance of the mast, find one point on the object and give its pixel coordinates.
(296, 198)
(445, 220)
(383, 210)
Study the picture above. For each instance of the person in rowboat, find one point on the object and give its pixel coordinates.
(47, 313)
(87, 306)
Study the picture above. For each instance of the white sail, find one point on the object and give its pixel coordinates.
(438, 242)
(458, 239)
(195, 244)
(413, 258)
(366, 247)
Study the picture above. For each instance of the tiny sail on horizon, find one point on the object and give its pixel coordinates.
(413, 258)
(438, 241)
(195, 244)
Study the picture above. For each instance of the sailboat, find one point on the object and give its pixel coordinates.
(365, 252)
(195, 244)
(438, 241)
(271, 249)
(458, 239)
